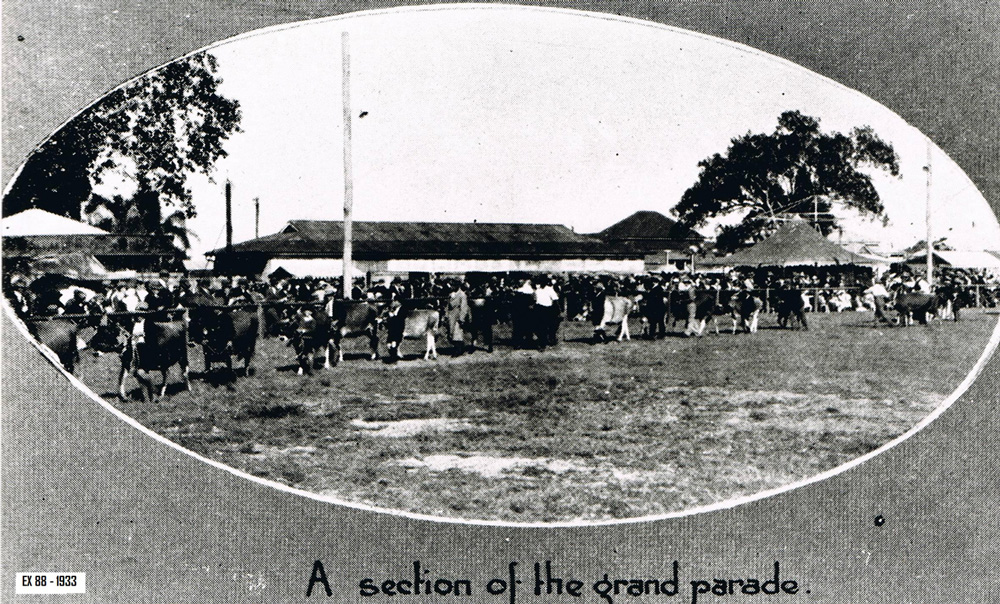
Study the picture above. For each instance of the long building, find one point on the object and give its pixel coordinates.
(315, 248)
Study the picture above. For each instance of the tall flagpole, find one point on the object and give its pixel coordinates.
(348, 280)
(930, 238)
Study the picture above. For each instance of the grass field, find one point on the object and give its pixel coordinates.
(578, 432)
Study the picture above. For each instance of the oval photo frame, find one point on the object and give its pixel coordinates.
(530, 469)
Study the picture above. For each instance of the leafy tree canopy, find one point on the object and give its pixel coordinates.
(796, 170)
(168, 125)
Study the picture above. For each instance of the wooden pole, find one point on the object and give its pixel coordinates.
(930, 236)
(229, 215)
(256, 218)
(348, 177)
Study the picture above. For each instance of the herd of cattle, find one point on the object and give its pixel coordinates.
(229, 334)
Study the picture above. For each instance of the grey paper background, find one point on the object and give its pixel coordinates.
(83, 491)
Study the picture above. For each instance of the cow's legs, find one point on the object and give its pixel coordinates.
(185, 372)
(146, 387)
(431, 346)
(165, 372)
(753, 321)
(623, 333)
(121, 381)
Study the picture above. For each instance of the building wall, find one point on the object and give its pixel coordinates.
(332, 267)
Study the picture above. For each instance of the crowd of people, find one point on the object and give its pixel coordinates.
(548, 299)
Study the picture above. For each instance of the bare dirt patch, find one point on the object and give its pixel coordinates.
(410, 427)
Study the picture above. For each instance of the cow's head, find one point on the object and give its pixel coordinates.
(218, 333)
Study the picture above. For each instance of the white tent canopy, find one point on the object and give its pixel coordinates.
(35, 222)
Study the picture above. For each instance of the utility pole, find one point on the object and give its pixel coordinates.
(229, 215)
(256, 217)
(930, 237)
(348, 177)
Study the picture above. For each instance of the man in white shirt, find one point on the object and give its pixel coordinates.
(547, 312)
(880, 295)
(523, 315)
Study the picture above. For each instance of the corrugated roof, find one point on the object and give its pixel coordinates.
(795, 244)
(960, 259)
(379, 240)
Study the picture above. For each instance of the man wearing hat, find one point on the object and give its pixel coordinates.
(457, 315)
(656, 309)
(395, 325)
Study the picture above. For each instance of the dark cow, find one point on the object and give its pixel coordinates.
(110, 336)
(915, 305)
(484, 316)
(310, 331)
(59, 336)
(164, 345)
(313, 330)
(705, 307)
(354, 319)
(745, 309)
(230, 333)
(790, 308)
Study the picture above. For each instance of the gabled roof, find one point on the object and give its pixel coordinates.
(648, 225)
(957, 259)
(35, 222)
(795, 244)
(380, 240)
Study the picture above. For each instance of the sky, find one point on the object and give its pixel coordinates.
(516, 114)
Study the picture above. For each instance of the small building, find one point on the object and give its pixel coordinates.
(979, 260)
(665, 243)
(34, 234)
(315, 248)
(651, 232)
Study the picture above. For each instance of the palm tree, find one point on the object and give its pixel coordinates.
(139, 215)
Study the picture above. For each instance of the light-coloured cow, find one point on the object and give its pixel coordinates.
(412, 324)
(616, 311)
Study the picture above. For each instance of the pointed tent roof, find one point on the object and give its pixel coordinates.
(795, 244)
(647, 224)
(34, 222)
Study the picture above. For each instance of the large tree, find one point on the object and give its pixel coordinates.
(157, 131)
(796, 170)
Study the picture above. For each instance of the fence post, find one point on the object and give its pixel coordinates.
(261, 331)
(978, 303)
(767, 299)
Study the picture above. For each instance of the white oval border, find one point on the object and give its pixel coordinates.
(51, 357)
